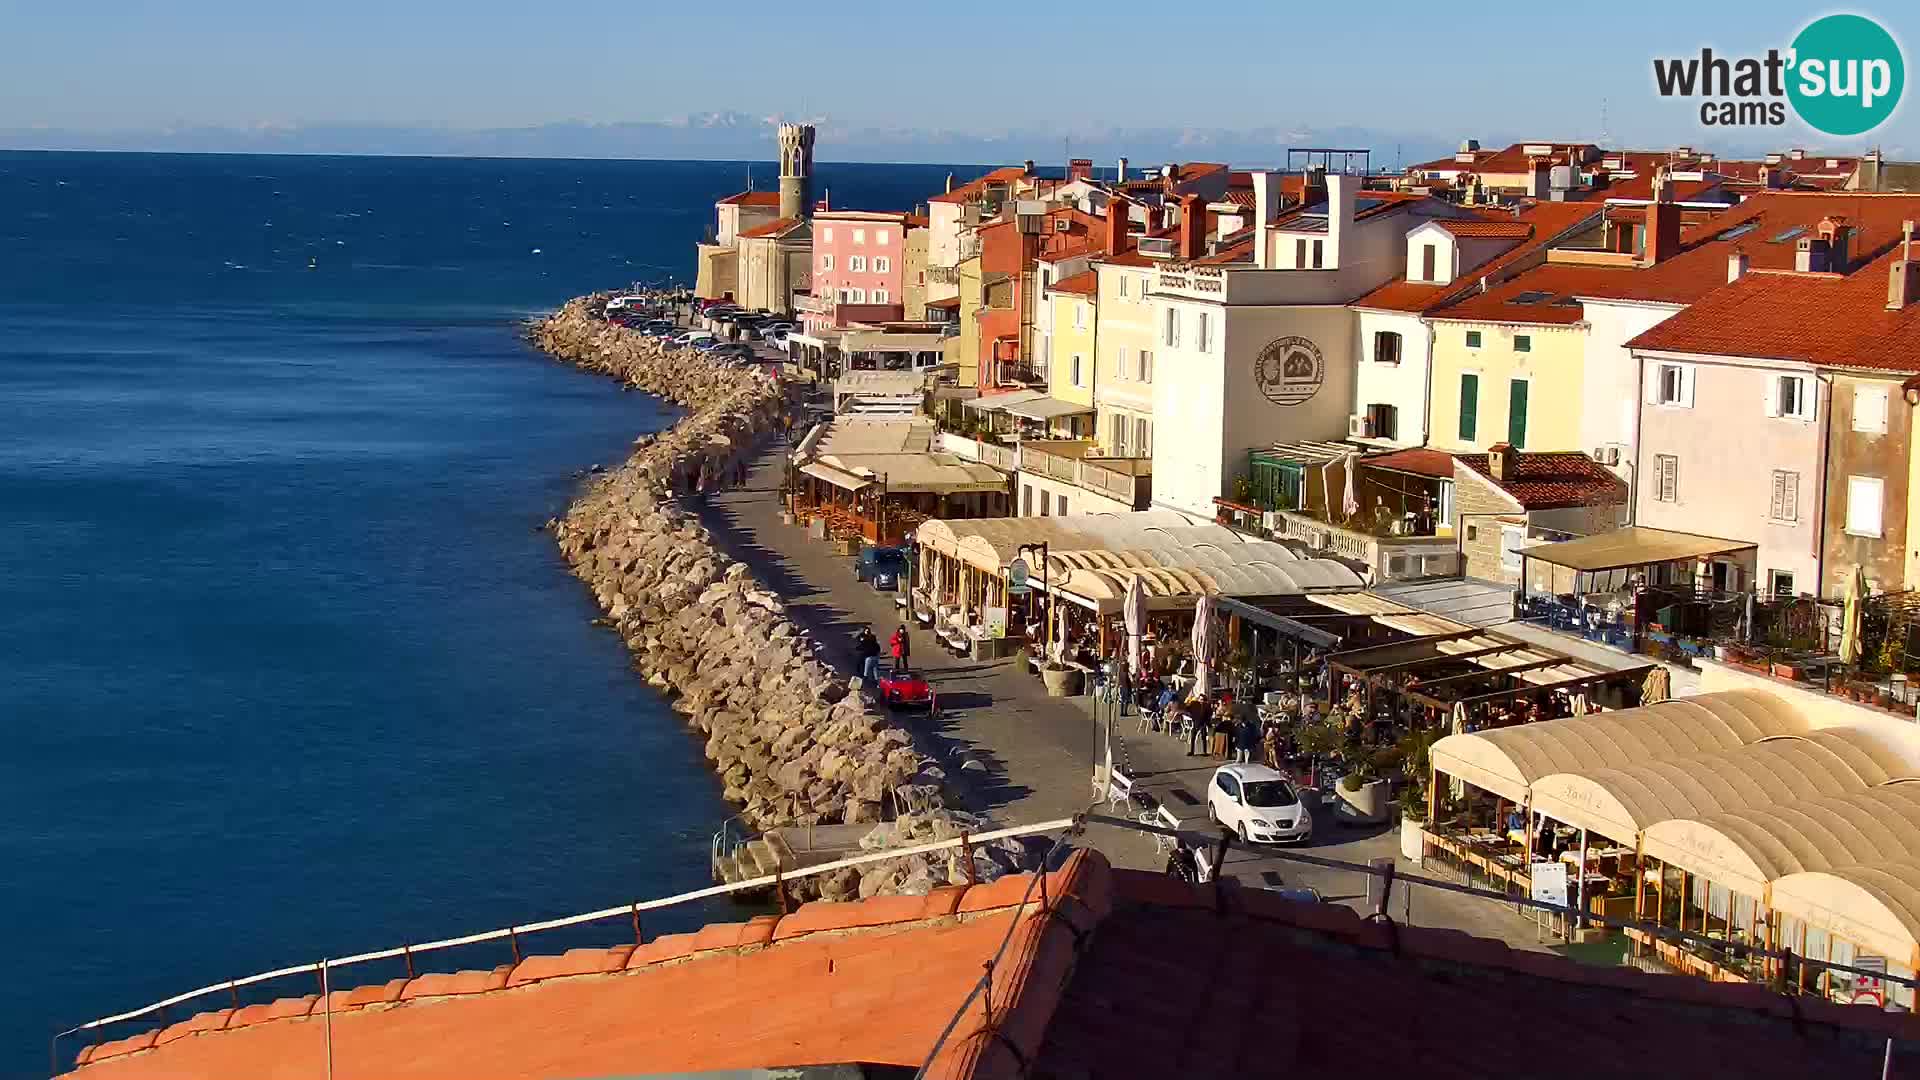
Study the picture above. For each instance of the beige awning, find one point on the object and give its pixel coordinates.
(839, 478)
(1635, 546)
(1875, 907)
(1621, 803)
(1748, 849)
(1177, 587)
(1507, 761)
(989, 544)
(1047, 408)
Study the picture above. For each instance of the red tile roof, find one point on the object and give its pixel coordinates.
(966, 192)
(949, 302)
(1548, 221)
(1553, 480)
(1084, 283)
(1070, 251)
(752, 198)
(1701, 265)
(1129, 257)
(1816, 319)
(1419, 460)
(776, 227)
(1510, 229)
(1125, 973)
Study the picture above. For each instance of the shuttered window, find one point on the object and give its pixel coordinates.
(1864, 497)
(1784, 503)
(1469, 407)
(1517, 413)
(1666, 477)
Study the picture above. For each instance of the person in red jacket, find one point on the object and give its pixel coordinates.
(902, 648)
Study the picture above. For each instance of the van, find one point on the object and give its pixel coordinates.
(620, 302)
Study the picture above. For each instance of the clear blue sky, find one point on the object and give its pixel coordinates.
(1395, 67)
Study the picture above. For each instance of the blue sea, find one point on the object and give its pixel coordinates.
(287, 670)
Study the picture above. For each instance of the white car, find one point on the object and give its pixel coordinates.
(1258, 804)
(694, 337)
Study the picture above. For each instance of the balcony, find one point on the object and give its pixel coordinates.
(980, 450)
(943, 275)
(1386, 558)
(1124, 480)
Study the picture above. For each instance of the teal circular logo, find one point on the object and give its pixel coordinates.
(1847, 74)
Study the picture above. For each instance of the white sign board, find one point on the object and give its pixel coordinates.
(994, 619)
(1017, 577)
(1868, 990)
(1550, 882)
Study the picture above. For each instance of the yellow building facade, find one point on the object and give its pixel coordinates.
(1124, 336)
(1072, 372)
(1496, 382)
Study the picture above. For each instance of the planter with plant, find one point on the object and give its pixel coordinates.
(1415, 764)
(1061, 680)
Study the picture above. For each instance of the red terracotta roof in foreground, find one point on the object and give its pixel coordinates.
(752, 198)
(1125, 974)
(1817, 319)
(1553, 480)
(1513, 229)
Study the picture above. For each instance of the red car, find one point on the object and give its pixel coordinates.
(901, 689)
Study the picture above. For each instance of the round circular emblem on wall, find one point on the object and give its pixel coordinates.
(1290, 370)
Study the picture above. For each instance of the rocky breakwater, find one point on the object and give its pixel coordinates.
(793, 742)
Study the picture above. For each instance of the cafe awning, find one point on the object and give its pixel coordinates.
(1047, 408)
(840, 478)
(1633, 546)
(1000, 402)
(1507, 761)
(1621, 803)
(1875, 907)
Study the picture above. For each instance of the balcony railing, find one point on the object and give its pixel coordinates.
(1203, 281)
(1135, 488)
(980, 450)
(1387, 558)
(943, 275)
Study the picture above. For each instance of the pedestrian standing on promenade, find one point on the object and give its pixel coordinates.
(866, 649)
(740, 474)
(1197, 727)
(902, 649)
(1249, 738)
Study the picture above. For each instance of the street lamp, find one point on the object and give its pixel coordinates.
(1046, 629)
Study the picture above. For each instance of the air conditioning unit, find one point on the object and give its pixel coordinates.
(1359, 426)
(1607, 455)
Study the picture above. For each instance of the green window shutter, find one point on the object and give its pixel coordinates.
(1469, 407)
(1517, 413)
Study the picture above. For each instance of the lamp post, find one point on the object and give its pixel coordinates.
(1046, 629)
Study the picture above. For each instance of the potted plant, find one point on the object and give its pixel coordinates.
(1061, 680)
(1413, 752)
(1363, 797)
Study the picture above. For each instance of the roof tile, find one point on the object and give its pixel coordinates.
(1553, 480)
(462, 982)
(214, 1020)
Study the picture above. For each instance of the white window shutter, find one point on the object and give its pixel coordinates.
(1686, 386)
(1770, 396)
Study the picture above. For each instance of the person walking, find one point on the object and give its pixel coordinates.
(902, 647)
(1196, 717)
(866, 649)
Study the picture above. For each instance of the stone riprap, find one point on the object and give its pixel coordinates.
(793, 742)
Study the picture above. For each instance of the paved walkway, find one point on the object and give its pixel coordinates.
(1039, 750)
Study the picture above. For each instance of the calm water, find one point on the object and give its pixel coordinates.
(285, 669)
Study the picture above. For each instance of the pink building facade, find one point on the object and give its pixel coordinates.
(859, 269)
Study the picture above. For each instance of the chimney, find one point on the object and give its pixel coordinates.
(1340, 208)
(1903, 284)
(1503, 461)
(1266, 206)
(1663, 223)
(1080, 169)
(1193, 228)
(1799, 154)
(1028, 166)
(1837, 233)
(1119, 217)
(1737, 264)
(1539, 171)
(949, 183)
(1120, 173)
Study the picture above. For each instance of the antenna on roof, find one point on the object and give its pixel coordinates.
(749, 176)
(1605, 138)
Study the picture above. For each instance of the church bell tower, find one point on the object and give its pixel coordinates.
(796, 170)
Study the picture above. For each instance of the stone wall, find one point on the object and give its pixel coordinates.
(792, 741)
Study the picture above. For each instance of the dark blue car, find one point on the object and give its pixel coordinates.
(882, 567)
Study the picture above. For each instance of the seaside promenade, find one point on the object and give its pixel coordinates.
(1038, 751)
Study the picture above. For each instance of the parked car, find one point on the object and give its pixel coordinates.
(692, 338)
(620, 303)
(1259, 804)
(733, 351)
(904, 689)
(881, 567)
(709, 343)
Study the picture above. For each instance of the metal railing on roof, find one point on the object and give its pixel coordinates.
(322, 968)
